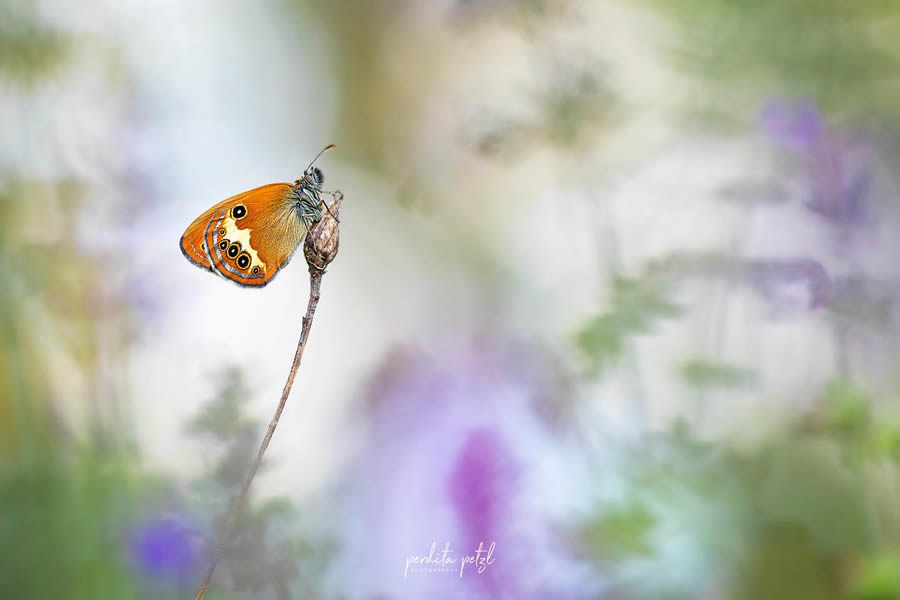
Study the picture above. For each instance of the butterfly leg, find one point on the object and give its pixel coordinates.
(328, 208)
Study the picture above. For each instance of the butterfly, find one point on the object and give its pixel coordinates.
(250, 237)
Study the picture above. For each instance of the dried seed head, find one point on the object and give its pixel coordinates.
(321, 245)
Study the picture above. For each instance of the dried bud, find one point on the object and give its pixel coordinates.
(321, 243)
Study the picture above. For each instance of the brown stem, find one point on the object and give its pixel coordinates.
(315, 281)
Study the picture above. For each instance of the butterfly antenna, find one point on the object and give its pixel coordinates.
(324, 150)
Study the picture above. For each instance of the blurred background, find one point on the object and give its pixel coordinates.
(617, 300)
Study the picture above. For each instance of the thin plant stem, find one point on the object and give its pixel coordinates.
(315, 282)
(609, 245)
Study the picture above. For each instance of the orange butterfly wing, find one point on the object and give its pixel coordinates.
(247, 238)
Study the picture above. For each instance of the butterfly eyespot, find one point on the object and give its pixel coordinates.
(243, 261)
(223, 244)
(238, 212)
(222, 232)
(255, 271)
(233, 250)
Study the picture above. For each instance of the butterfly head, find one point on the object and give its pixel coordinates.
(312, 178)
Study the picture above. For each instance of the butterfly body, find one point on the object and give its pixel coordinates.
(250, 237)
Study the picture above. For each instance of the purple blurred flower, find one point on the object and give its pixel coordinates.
(479, 483)
(800, 283)
(462, 452)
(837, 173)
(481, 488)
(796, 125)
(166, 548)
(840, 183)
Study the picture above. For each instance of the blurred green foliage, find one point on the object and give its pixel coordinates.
(636, 307)
(845, 54)
(29, 50)
(620, 532)
(877, 578)
(71, 511)
(848, 409)
(788, 518)
(66, 503)
(61, 535)
(44, 305)
(704, 373)
(265, 547)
